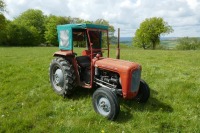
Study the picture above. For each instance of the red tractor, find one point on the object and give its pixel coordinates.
(113, 77)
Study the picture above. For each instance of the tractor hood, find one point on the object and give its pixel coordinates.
(116, 65)
(129, 72)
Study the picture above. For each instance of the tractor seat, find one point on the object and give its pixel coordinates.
(83, 61)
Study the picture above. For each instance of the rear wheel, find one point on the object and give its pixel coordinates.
(105, 102)
(144, 92)
(62, 76)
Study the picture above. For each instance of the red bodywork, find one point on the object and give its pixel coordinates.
(123, 68)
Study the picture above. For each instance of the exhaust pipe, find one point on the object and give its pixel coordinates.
(118, 49)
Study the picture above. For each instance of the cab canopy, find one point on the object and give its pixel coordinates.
(66, 36)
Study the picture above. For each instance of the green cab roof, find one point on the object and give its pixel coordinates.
(65, 33)
(84, 26)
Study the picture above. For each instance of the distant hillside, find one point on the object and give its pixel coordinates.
(126, 40)
(167, 42)
(168, 38)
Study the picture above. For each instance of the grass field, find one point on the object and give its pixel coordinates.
(28, 103)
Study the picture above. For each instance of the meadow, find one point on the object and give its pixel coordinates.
(29, 104)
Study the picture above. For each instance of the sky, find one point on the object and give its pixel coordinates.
(182, 15)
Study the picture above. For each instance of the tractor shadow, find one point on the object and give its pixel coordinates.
(130, 107)
(81, 93)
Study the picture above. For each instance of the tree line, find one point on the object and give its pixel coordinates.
(33, 28)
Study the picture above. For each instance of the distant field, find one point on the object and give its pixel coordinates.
(28, 103)
(169, 44)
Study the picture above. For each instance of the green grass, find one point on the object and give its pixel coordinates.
(28, 103)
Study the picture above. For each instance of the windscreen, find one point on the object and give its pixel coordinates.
(79, 38)
(95, 38)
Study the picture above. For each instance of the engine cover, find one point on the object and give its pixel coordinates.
(125, 69)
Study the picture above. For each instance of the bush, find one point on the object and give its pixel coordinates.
(161, 47)
(19, 35)
(187, 43)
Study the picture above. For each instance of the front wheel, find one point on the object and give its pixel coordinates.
(105, 102)
(144, 92)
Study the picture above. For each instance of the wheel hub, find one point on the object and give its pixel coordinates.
(58, 77)
(104, 106)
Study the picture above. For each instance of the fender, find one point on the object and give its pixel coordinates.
(70, 56)
(63, 53)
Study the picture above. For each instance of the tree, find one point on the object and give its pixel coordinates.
(2, 27)
(187, 43)
(18, 35)
(50, 28)
(2, 6)
(2, 22)
(148, 34)
(88, 22)
(75, 20)
(104, 22)
(32, 18)
(110, 28)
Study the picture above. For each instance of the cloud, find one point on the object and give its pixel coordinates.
(125, 14)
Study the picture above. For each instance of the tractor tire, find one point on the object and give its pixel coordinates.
(105, 102)
(144, 92)
(62, 76)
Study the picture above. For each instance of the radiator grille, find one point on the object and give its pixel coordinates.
(135, 81)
